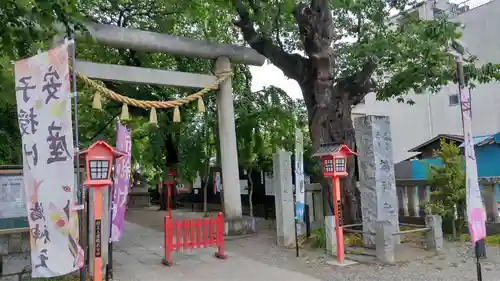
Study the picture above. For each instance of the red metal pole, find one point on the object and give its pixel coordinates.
(169, 236)
(198, 233)
(191, 236)
(185, 226)
(220, 237)
(338, 217)
(211, 231)
(205, 238)
(178, 237)
(169, 203)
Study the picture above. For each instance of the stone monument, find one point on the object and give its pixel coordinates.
(283, 194)
(379, 200)
(139, 194)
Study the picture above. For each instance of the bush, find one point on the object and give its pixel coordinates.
(318, 239)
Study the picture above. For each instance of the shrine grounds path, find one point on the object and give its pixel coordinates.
(257, 258)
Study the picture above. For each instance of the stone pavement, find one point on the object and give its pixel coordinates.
(138, 257)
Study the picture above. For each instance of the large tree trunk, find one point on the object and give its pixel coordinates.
(329, 109)
(329, 97)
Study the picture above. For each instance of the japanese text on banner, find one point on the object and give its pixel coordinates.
(475, 210)
(122, 180)
(44, 114)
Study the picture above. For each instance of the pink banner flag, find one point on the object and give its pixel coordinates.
(122, 181)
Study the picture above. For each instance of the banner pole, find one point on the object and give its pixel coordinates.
(109, 265)
(80, 189)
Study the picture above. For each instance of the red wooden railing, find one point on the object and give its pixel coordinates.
(186, 234)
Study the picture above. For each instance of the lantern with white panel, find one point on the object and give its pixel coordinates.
(99, 159)
(334, 158)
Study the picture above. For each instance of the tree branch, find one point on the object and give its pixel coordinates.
(315, 27)
(361, 83)
(292, 65)
(277, 25)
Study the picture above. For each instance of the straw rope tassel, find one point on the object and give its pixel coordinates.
(124, 115)
(177, 115)
(201, 105)
(96, 103)
(153, 119)
(103, 91)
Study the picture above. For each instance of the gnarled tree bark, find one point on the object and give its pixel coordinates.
(329, 99)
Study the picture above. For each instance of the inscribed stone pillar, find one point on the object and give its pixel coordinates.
(227, 138)
(283, 194)
(379, 200)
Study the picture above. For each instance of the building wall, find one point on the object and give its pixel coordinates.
(488, 164)
(487, 158)
(432, 114)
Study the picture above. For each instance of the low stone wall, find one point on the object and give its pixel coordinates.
(15, 261)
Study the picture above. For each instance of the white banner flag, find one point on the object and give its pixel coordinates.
(475, 210)
(44, 112)
(299, 175)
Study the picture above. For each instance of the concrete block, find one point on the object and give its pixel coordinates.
(16, 263)
(19, 242)
(435, 235)
(385, 242)
(138, 198)
(14, 277)
(342, 264)
(239, 226)
(331, 236)
(4, 244)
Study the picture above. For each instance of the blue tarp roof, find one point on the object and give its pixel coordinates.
(484, 140)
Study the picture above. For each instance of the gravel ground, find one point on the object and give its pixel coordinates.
(456, 263)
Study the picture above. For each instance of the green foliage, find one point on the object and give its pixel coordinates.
(411, 54)
(448, 182)
(318, 238)
(490, 240)
(264, 120)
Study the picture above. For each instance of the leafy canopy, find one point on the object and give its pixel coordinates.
(264, 120)
(383, 40)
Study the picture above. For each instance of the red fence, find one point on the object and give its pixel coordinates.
(181, 235)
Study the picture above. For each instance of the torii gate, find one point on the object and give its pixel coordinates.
(156, 42)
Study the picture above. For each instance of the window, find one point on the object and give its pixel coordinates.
(339, 165)
(453, 100)
(99, 169)
(329, 165)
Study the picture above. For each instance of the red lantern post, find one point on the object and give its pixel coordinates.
(334, 161)
(170, 183)
(99, 160)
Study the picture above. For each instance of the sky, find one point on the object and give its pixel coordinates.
(268, 74)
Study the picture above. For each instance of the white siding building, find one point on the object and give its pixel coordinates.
(439, 113)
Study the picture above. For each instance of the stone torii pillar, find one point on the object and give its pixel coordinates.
(147, 41)
(227, 138)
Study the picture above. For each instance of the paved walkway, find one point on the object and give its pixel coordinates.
(138, 257)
